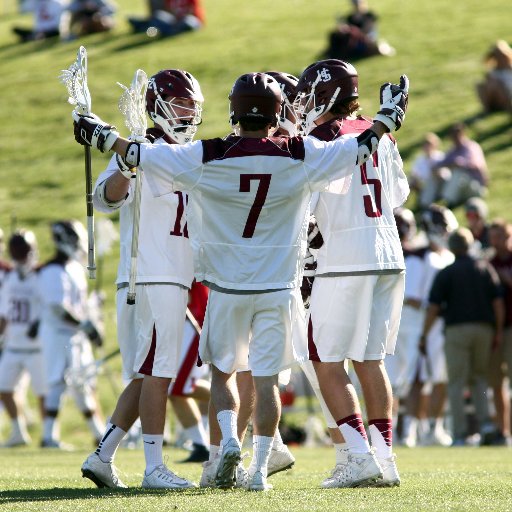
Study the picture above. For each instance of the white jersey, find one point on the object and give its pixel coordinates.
(415, 275)
(248, 202)
(61, 284)
(434, 262)
(355, 216)
(48, 14)
(164, 253)
(20, 307)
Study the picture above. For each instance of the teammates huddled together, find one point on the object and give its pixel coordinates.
(248, 199)
(235, 215)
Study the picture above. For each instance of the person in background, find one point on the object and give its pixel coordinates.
(67, 332)
(477, 211)
(500, 370)
(469, 174)
(170, 18)
(19, 317)
(469, 293)
(495, 91)
(89, 17)
(49, 21)
(426, 181)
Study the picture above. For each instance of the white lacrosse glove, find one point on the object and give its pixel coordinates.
(90, 130)
(393, 104)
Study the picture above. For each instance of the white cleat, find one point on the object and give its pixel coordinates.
(390, 476)
(280, 460)
(163, 478)
(258, 482)
(103, 474)
(16, 440)
(225, 478)
(360, 470)
(441, 438)
(210, 471)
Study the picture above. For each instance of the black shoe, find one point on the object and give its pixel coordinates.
(199, 453)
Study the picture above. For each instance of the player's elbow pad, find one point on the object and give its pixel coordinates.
(367, 144)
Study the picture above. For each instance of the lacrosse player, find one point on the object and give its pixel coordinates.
(358, 290)
(19, 312)
(66, 332)
(248, 200)
(150, 331)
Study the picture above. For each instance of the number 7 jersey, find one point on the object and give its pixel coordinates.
(355, 214)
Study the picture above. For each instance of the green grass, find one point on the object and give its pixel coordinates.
(439, 45)
(433, 479)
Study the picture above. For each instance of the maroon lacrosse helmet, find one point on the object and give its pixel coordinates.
(21, 244)
(288, 117)
(164, 88)
(255, 96)
(321, 86)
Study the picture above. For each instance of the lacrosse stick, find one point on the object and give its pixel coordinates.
(132, 105)
(79, 376)
(75, 79)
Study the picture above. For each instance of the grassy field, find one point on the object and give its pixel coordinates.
(439, 45)
(433, 479)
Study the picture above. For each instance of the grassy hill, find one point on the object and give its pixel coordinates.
(439, 45)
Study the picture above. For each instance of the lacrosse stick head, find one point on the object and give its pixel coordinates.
(132, 104)
(75, 80)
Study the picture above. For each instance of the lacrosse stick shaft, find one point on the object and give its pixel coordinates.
(135, 239)
(91, 265)
(193, 321)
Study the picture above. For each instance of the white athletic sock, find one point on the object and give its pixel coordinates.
(262, 446)
(109, 442)
(383, 450)
(50, 429)
(19, 427)
(278, 440)
(341, 452)
(152, 451)
(352, 430)
(197, 434)
(227, 422)
(214, 450)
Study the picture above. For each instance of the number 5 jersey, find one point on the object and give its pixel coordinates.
(355, 214)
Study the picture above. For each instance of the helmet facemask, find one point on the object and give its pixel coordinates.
(309, 107)
(179, 122)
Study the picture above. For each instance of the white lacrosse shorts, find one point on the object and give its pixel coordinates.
(355, 317)
(261, 332)
(150, 331)
(14, 363)
(433, 366)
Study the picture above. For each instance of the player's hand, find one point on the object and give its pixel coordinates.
(393, 104)
(91, 332)
(90, 130)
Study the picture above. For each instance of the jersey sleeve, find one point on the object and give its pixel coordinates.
(171, 167)
(401, 190)
(326, 162)
(99, 201)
